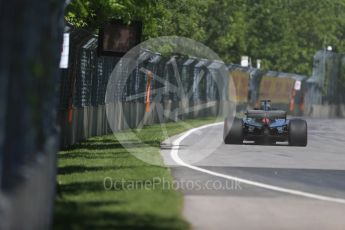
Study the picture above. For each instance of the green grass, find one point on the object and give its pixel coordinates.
(84, 203)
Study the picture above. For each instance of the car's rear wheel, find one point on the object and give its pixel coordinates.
(298, 134)
(233, 133)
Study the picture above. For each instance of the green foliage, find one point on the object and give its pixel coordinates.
(285, 34)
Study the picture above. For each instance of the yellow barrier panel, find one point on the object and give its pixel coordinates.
(279, 90)
(240, 81)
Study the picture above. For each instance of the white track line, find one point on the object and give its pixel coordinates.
(178, 160)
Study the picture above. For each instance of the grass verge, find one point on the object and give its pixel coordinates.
(125, 199)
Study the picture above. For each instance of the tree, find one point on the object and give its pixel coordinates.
(284, 34)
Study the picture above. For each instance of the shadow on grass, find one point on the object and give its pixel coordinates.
(77, 188)
(93, 215)
(81, 187)
(114, 145)
(86, 205)
(99, 155)
(81, 169)
(99, 213)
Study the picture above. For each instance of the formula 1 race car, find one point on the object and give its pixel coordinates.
(265, 126)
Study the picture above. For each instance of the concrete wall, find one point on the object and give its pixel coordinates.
(103, 119)
(326, 111)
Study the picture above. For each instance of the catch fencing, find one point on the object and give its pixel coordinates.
(83, 111)
(325, 88)
(182, 87)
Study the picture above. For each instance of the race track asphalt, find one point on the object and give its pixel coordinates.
(214, 202)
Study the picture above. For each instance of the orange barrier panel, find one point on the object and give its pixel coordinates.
(148, 91)
(292, 102)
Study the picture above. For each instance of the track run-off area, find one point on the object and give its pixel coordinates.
(261, 187)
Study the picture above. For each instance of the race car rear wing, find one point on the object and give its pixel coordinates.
(272, 114)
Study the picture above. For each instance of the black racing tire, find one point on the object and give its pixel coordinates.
(298, 132)
(233, 134)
